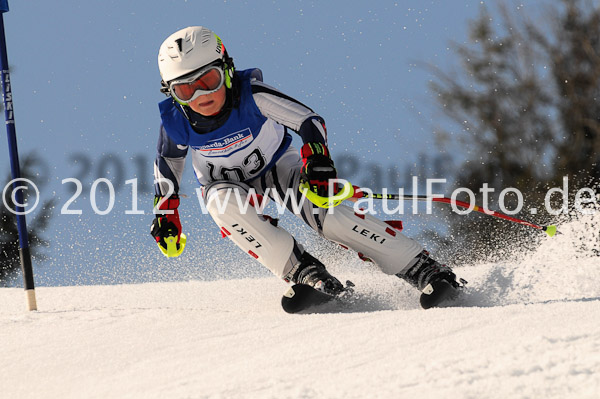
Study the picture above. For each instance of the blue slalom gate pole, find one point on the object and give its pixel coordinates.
(24, 251)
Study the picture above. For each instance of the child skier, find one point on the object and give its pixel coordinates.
(238, 132)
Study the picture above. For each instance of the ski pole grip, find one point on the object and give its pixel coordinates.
(327, 202)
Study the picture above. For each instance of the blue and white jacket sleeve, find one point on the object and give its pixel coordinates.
(288, 112)
(169, 165)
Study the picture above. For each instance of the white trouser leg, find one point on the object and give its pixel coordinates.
(272, 246)
(391, 250)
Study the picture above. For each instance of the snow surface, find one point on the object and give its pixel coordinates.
(526, 330)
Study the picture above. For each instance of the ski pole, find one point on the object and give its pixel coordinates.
(353, 192)
(358, 193)
(24, 251)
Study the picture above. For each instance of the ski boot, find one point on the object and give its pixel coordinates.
(313, 286)
(436, 282)
(313, 273)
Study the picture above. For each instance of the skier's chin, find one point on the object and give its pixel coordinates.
(207, 108)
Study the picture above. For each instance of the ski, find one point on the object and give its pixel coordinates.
(304, 298)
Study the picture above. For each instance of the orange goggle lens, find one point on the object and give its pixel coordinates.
(205, 82)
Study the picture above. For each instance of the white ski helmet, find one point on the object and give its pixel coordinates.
(190, 49)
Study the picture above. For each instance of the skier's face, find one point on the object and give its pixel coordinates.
(209, 104)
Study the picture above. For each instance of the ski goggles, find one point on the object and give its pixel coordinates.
(205, 81)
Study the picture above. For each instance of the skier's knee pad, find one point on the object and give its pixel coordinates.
(230, 207)
(391, 250)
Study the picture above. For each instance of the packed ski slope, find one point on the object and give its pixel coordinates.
(527, 330)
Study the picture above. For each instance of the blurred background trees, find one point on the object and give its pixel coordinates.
(9, 238)
(526, 101)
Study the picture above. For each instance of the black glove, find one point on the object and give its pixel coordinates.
(317, 168)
